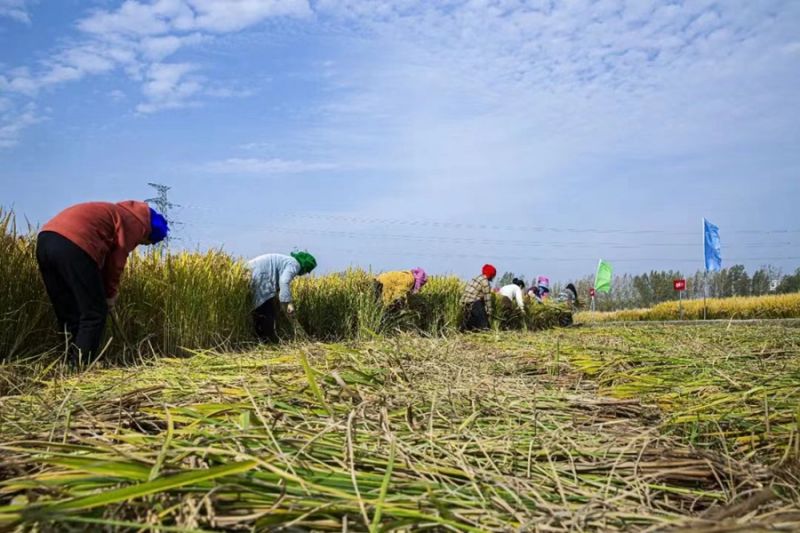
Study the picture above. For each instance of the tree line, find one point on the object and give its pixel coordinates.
(645, 290)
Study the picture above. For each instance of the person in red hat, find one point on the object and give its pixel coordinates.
(81, 253)
(477, 300)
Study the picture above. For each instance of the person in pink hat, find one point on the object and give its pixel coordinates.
(393, 287)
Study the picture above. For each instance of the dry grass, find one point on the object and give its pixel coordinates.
(486, 432)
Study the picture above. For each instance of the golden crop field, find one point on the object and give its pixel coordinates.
(753, 307)
(189, 300)
(367, 419)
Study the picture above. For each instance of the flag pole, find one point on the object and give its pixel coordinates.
(594, 289)
(705, 290)
(705, 270)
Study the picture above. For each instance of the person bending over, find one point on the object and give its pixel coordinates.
(81, 253)
(513, 292)
(477, 300)
(272, 276)
(393, 288)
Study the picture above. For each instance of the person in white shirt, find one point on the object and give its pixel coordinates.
(272, 276)
(513, 292)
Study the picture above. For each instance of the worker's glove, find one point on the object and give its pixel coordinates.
(289, 309)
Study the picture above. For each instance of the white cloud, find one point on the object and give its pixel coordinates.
(16, 10)
(69, 64)
(257, 146)
(264, 166)
(234, 15)
(228, 92)
(117, 96)
(169, 86)
(12, 124)
(138, 36)
(460, 100)
(157, 48)
(159, 17)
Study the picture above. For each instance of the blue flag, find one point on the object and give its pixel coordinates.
(711, 247)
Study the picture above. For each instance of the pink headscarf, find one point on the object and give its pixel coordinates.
(420, 279)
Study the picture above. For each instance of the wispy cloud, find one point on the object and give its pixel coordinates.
(138, 37)
(169, 86)
(16, 10)
(466, 97)
(264, 166)
(117, 96)
(161, 17)
(257, 146)
(13, 123)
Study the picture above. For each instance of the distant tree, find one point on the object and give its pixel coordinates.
(663, 287)
(696, 285)
(624, 296)
(648, 289)
(739, 281)
(718, 284)
(790, 283)
(644, 292)
(774, 275)
(759, 283)
(505, 279)
(583, 285)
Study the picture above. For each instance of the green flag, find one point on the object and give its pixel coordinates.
(602, 281)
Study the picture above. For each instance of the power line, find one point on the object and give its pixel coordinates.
(483, 241)
(494, 257)
(492, 227)
(278, 243)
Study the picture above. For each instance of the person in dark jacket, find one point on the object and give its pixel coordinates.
(81, 253)
(477, 300)
(569, 297)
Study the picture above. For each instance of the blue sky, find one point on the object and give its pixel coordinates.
(538, 135)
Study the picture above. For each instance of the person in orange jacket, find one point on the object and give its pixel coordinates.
(81, 253)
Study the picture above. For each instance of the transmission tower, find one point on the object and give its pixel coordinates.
(163, 205)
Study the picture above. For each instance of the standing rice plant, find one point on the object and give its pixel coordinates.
(508, 314)
(751, 307)
(187, 300)
(438, 305)
(26, 319)
(167, 302)
(337, 306)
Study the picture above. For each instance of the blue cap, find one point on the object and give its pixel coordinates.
(158, 227)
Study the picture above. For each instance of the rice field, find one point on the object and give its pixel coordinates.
(170, 304)
(602, 428)
(750, 307)
(378, 419)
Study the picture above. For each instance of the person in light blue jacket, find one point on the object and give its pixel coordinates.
(272, 277)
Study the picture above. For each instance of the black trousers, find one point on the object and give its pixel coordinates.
(265, 320)
(476, 317)
(377, 289)
(75, 287)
